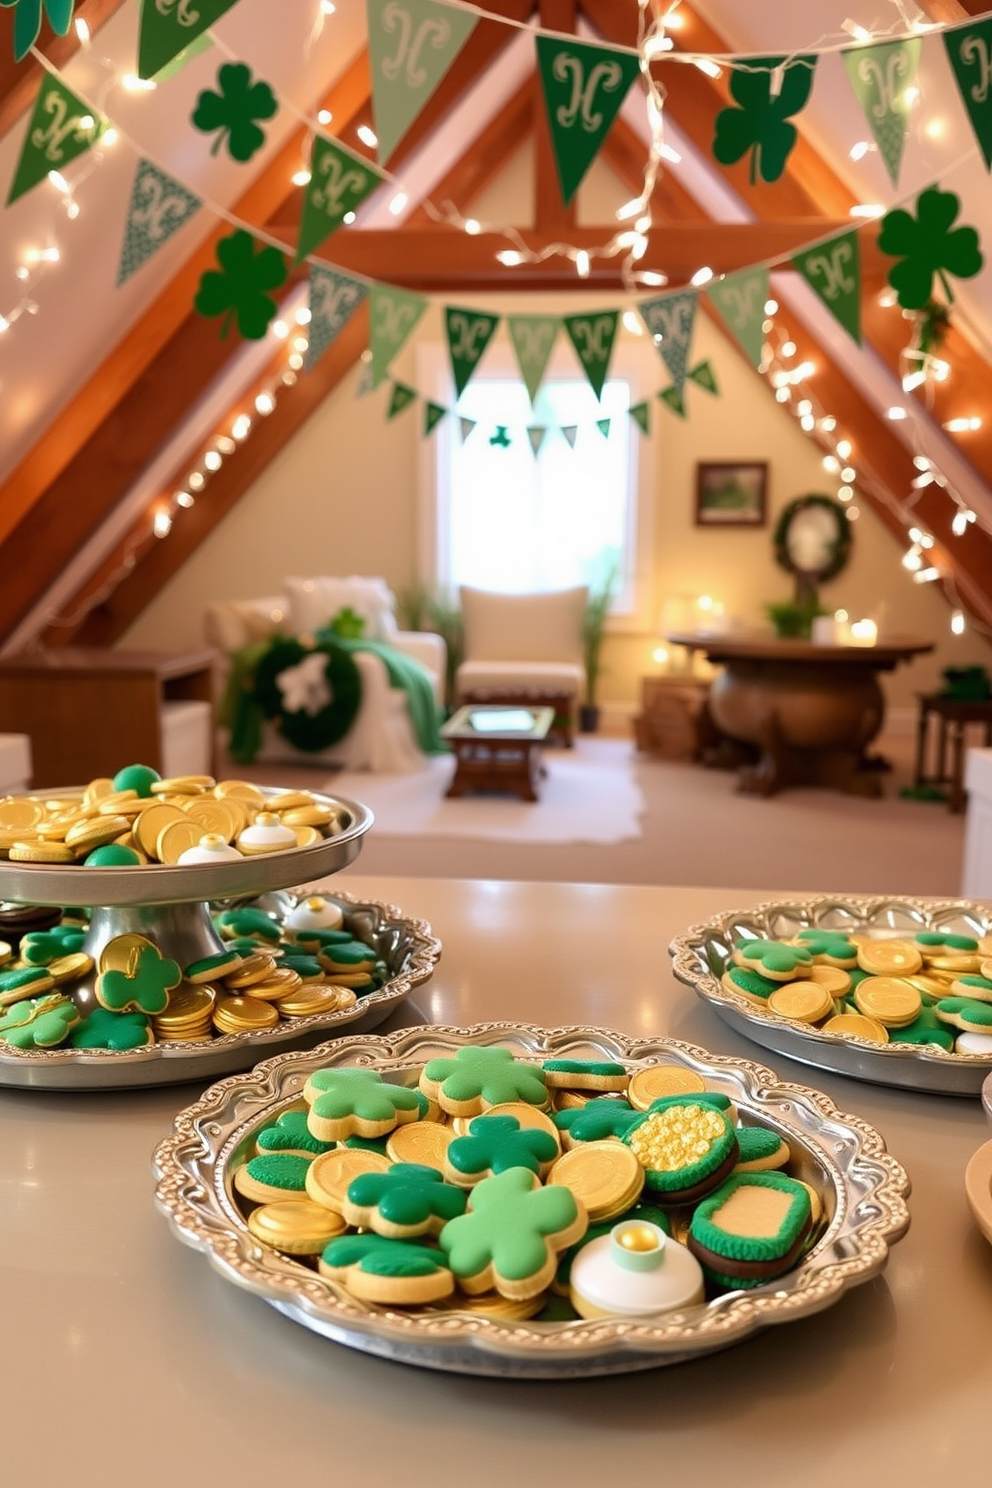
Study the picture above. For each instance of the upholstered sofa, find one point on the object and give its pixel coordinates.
(382, 737)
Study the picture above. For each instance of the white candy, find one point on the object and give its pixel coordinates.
(315, 914)
(267, 834)
(606, 1282)
(973, 1043)
(211, 848)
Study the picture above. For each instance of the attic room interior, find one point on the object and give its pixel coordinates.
(470, 473)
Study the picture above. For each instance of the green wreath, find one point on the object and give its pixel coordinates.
(840, 548)
(310, 732)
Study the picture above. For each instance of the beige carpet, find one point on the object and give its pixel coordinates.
(696, 829)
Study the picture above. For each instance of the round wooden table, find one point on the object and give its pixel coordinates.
(807, 712)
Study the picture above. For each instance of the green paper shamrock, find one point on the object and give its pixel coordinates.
(495, 1143)
(759, 123)
(927, 246)
(597, 1120)
(410, 1196)
(106, 1030)
(379, 1256)
(144, 987)
(39, 1025)
(27, 21)
(238, 290)
(774, 956)
(492, 1074)
(291, 1134)
(232, 112)
(507, 1229)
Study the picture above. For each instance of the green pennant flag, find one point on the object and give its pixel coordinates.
(58, 132)
(703, 376)
(969, 51)
(584, 88)
(880, 76)
(465, 427)
(433, 414)
(536, 433)
(412, 43)
(339, 183)
(400, 397)
(533, 338)
(641, 414)
(834, 271)
(159, 207)
(593, 337)
(168, 26)
(672, 398)
(27, 22)
(334, 298)
(739, 300)
(469, 333)
(603, 425)
(393, 313)
(570, 431)
(669, 320)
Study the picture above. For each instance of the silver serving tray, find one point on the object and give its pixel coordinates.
(409, 948)
(863, 1186)
(700, 956)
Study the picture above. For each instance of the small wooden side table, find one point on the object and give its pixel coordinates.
(90, 711)
(498, 748)
(953, 716)
(673, 722)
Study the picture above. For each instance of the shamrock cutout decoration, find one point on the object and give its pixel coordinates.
(774, 958)
(927, 245)
(238, 289)
(759, 123)
(356, 1102)
(410, 1199)
(501, 438)
(495, 1143)
(510, 1238)
(291, 1134)
(144, 987)
(479, 1077)
(27, 21)
(596, 1121)
(106, 1030)
(232, 112)
(41, 1024)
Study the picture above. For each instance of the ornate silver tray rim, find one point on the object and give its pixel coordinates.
(925, 1068)
(194, 1166)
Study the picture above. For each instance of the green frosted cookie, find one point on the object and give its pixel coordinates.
(274, 1175)
(356, 1103)
(926, 1029)
(480, 1077)
(965, 1013)
(752, 983)
(773, 958)
(290, 1133)
(940, 942)
(976, 988)
(247, 921)
(751, 1229)
(686, 1148)
(409, 1199)
(511, 1237)
(585, 1074)
(106, 1030)
(760, 1150)
(391, 1272)
(42, 1023)
(493, 1144)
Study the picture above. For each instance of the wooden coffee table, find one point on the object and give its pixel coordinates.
(498, 748)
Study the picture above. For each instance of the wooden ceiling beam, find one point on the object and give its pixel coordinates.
(19, 80)
(488, 157)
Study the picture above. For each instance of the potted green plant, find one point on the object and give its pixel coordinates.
(602, 592)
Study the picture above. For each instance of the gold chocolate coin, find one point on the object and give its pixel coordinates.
(307, 836)
(832, 978)
(243, 789)
(69, 968)
(491, 1304)
(289, 801)
(117, 954)
(804, 1002)
(244, 1015)
(41, 852)
(97, 790)
(214, 816)
(116, 807)
(308, 816)
(889, 957)
(20, 813)
(153, 820)
(649, 1085)
(295, 1226)
(891, 1001)
(329, 1174)
(283, 982)
(419, 1142)
(311, 1000)
(856, 1025)
(961, 965)
(182, 785)
(254, 968)
(605, 1176)
(190, 1002)
(176, 838)
(930, 988)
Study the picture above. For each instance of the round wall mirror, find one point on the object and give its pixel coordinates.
(813, 542)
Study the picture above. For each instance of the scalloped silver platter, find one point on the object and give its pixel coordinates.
(409, 948)
(864, 1189)
(700, 956)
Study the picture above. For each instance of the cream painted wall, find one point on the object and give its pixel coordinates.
(342, 498)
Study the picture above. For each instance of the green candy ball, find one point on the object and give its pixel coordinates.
(112, 855)
(138, 778)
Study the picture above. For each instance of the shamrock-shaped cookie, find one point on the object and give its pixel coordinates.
(356, 1103)
(394, 1272)
(144, 987)
(511, 1238)
(926, 1029)
(410, 1199)
(40, 1024)
(40, 947)
(940, 943)
(273, 1175)
(495, 1143)
(247, 921)
(829, 947)
(291, 1134)
(774, 959)
(596, 1121)
(478, 1078)
(976, 988)
(106, 1030)
(750, 983)
(585, 1074)
(965, 1013)
(23, 981)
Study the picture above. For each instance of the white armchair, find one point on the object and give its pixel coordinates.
(382, 737)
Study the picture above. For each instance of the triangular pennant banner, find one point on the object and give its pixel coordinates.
(834, 271)
(393, 313)
(641, 414)
(412, 43)
(672, 398)
(536, 433)
(593, 337)
(60, 129)
(339, 183)
(603, 425)
(969, 51)
(401, 397)
(27, 22)
(570, 431)
(670, 320)
(465, 427)
(433, 414)
(334, 298)
(703, 376)
(469, 333)
(739, 299)
(182, 59)
(584, 88)
(880, 76)
(158, 208)
(533, 338)
(167, 28)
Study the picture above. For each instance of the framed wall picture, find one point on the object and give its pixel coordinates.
(731, 493)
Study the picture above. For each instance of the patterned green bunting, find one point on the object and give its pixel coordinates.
(27, 21)
(584, 88)
(58, 132)
(672, 399)
(469, 333)
(766, 90)
(533, 338)
(880, 76)
(158, 208)
(593, 337)
(433, 414)
(168, 26)
(412, 43)
(641, 414)
(834, 271)
(393, 313)
(704, 376)
(334, 298)
(739, 299)
(669, 320)
(400, 397)
(969, 51)
(339, 183)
